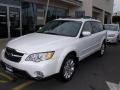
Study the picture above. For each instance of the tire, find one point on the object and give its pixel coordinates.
(101, 52)
(68, 69)
(117, 40)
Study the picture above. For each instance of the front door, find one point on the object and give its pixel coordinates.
(86, 42)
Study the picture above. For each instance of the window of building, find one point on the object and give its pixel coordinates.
(11, 2)
(55, 12)
(79, 14)
(33, 15)
(28, 17)
(40, 14)
(3, 22)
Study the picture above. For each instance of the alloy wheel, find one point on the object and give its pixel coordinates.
(69, 69)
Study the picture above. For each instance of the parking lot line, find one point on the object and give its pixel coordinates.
(21, 86)
(1, 81)
(6, 76)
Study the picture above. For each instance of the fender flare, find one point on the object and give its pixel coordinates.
(63, 56)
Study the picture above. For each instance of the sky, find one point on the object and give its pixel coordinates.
(116, 5)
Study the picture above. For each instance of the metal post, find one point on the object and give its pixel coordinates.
(21, 22)
(21, 29)
(46, 12)
(8, 22)
(103, 16)
(111, 18)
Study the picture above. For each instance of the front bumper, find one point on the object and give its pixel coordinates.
(111, 39)
(35, 70)
(15, 70)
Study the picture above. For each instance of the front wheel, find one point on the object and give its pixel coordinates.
(68, 68)
(101, 52)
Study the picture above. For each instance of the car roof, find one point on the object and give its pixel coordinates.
(78, 19)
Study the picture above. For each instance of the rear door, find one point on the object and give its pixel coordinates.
(98, 33)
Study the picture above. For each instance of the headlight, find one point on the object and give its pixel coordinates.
(37, 57)
(112, 35)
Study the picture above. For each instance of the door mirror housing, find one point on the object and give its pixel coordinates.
(86, 33)
(40, 28)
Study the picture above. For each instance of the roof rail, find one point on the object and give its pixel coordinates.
(84, 17)
(88, 17)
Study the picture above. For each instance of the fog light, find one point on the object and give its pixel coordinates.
(39, 74)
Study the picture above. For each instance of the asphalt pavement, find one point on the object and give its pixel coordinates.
(93, 73)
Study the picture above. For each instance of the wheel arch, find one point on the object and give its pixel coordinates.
(63, 56)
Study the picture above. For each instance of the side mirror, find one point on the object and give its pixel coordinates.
(40, 28)
(86, 33)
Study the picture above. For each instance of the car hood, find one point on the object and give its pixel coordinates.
(37, 42)
(109, 32)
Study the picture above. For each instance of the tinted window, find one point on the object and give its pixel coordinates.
(28, 17)
(87, 27)
(96, 27)
(111, 27)
(60, 27)
(10, 2)
(100, 27)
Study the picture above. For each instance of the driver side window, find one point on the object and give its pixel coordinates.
(87, 27)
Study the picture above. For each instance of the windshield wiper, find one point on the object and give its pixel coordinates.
(52, 33)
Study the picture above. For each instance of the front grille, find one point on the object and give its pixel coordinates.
(13, 55)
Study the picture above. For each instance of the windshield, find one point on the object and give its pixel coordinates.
(111, 27)
(61, 27)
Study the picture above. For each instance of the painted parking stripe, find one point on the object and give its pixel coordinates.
(113, 86)
(1, 81)
(21, 86)
(6, 76)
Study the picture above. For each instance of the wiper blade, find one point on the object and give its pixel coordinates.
(51, 33)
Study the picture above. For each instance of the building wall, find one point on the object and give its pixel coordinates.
(72, 10)
(106, 5)
(100, 9)
(87, 7)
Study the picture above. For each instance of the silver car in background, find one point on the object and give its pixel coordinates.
(113, 33)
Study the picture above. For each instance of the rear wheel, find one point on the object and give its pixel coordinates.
(68, 68)
(117, 40)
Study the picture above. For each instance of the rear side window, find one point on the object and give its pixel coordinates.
(100, 27)
(96, 27)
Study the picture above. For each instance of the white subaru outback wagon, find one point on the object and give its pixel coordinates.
(54, 49)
